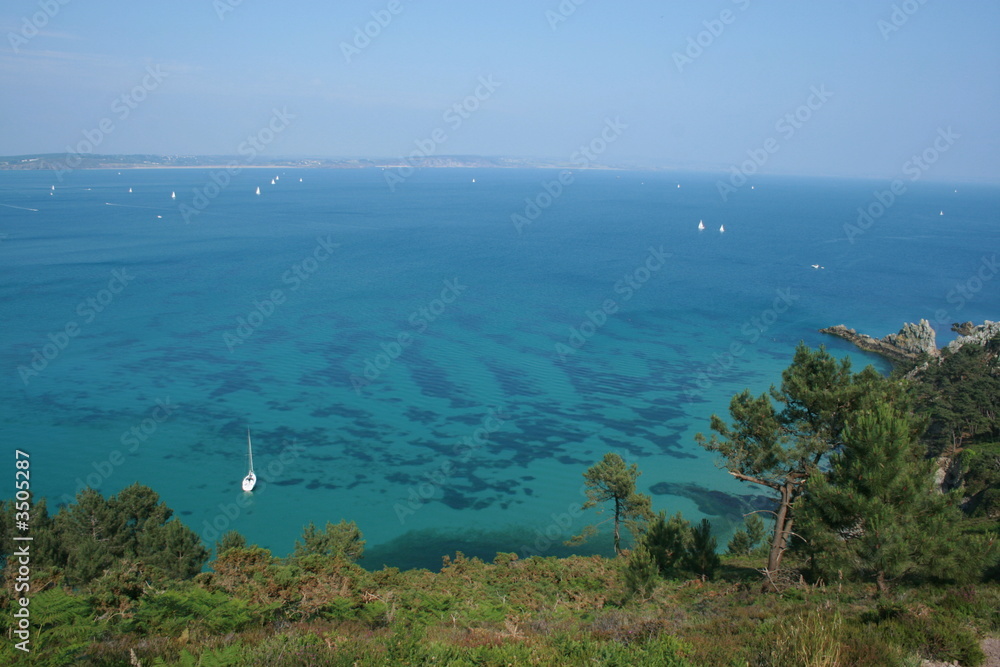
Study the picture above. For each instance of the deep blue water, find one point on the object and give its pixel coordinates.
(481, 408)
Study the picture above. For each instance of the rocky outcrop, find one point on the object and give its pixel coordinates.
(977, 335)
(911, 343)
(963, 328)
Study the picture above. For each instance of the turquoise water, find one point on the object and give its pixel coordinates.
(412, 361)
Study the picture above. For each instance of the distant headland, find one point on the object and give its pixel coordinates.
(62, 161)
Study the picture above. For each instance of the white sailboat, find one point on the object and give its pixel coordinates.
(251, 479)
(130, 190)
(701, 225)
(272, 181)
(173, 195)
(258, 189)
(722, 228)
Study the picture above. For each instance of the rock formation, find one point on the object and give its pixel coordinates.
(911, 343)
(979, 335)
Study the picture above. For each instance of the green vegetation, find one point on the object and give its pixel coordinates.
(612, 480)
(868, 561)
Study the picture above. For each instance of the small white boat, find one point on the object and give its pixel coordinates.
(258, 189)
(173, 195)
(272, 181)
(941, 213)
(130, 190)
(300, 180)
(277, 178)
(473, 180)
(701, 225)
(251, 479)
(722, 228)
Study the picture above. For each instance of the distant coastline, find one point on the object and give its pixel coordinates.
(72, 161)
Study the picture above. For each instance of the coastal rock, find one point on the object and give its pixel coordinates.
(963, 328)
(911, 343)
(978, 335)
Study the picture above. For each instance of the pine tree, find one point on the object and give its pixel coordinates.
(701, 557)
(877, 513)
(668, 541)
(343, 539)
(230, 540)
(746, 541)
(781, 448)
(611, 480)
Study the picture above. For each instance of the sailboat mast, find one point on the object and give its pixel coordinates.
(249, 449)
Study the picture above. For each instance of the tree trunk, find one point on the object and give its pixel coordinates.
(617, 533)
(883, 587)
(782, 528)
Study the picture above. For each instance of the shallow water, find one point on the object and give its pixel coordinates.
(408, 359)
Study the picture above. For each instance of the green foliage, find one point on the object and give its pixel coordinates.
(669, 542)
(94, 533)
(336, 540)
(877, 513)
(194, 610)
(980, 471)
(939, 637)
(62, 628)
(173, 548)
(750, 539)
(961, 395)
(781, 448)
(610, 480)
(641, 572)
(230, 540)
(671, 548)
(701, 557)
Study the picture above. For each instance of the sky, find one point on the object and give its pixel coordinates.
(850, 88)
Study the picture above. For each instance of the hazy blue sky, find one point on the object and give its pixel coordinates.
(220, 79)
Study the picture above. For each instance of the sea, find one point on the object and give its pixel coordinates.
(440, 354)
